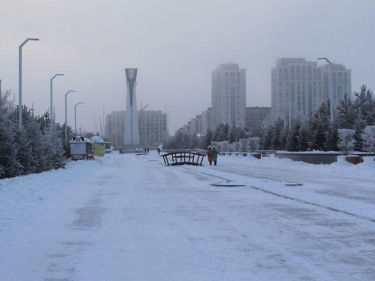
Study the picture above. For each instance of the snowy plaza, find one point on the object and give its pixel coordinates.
(130, 217)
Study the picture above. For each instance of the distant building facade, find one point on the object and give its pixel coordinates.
(299, 87)
(152, 127)
(115, 128)
(255, 115)
(228, 95)
(198, 125)
(206, 120)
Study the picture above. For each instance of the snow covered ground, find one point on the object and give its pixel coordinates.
(129, 217)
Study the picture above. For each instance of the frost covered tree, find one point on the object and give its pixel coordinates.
(266, 138)
(53, 149)
(359, 126)
(277, 134)
(365, 105)
(346, 140)
(284, 136)
(37, 143)
(254, 143)
(207, 139)
(292, 137)
(221, 132)
(303, 137)
(368, 137)
(332, 136)
(24, 152)
(9, 166)
(256, 129)
(180, 140)
(236, 133)
(346, 113)
(43, 121)
(222, 146)
(319, 126)
(244, 144)
(193, 141)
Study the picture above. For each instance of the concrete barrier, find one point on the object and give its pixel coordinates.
(312, 158)
(319, 158)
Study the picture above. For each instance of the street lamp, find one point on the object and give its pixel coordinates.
(75, 117)
(330, 88)
(51, 99)
(66, 122)
(20, 80)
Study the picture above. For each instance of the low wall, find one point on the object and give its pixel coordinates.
(312, 158)
(321, 158)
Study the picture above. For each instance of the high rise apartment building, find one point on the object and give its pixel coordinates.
(299, 87)
(228, 95)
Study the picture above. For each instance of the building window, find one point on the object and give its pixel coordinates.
(292, 72)
(303, 73)
(298, 73)
(232, 78)
(339, 78)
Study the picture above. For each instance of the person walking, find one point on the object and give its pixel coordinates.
(209, 155)
(214, 155)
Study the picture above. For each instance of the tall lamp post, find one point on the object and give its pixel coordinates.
(51, 99)
(330, 88)
(75, 117)
(66, 121)
(20, 80)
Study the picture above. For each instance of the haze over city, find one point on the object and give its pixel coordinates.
(175, 45)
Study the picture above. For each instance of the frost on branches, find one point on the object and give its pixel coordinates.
(346, 140)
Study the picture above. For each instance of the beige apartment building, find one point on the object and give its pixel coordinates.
(152, 128)
(299, 87)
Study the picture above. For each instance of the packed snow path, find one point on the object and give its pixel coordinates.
(129, 217)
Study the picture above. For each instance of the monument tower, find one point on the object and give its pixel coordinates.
(131, 137)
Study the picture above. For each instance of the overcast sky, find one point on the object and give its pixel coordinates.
(175, 45)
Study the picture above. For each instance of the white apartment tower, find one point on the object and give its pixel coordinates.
(228, 95)
(299, 87)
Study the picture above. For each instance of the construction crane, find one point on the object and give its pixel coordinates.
(143, 108)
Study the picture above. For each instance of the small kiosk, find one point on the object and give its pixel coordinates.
(98, 146)
(80, 148)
